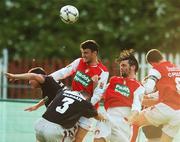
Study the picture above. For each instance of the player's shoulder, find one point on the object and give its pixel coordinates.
(115, 78)
(163, 65)
(135, 81)
(102, 67)
(78, 61)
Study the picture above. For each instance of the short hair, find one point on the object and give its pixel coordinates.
(128, 55)
(154, 55)
(37, 70)
(85, 95)
(90, 44)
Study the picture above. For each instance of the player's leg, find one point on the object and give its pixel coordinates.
(81, 133)
(102, 131)
(152, 133)
(47, 131)
(99, 140)
(39, 126)
(85, 125)
(166, 138)
(120, 129)
(160, 114)
(171, 129)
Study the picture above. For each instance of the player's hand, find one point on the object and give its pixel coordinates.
(32, 108)
(100, 117)
(95, 78)
(10, 76)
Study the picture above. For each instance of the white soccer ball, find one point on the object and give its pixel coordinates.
(69, 14)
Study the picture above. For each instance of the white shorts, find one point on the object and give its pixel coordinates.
(52, 132)
(86, 123)
(165, 115)
(116, 129)
(103, 130)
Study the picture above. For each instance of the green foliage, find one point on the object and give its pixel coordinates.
(33, 29)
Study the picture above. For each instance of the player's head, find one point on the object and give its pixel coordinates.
(154, 56)
(128, 63)
(36, 70)
(85, 95)
(89, 50)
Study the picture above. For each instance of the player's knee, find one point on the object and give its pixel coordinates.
(80, 134)
(99, 140)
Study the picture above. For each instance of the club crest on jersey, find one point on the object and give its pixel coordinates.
(101, 85)
(122, 89)
(87, 70)
(82, 78)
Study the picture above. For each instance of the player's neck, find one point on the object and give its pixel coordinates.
(93, 62)
(132, 76)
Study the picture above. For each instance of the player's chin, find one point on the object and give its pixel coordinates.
(85, 60)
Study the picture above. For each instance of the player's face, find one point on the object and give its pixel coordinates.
(124, 68)
(34, 83)
(88, 56)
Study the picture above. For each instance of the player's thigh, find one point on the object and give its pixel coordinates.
(39, 128)
(54, 133)
(119, 135)
(152, 132)
(159, 114)
(85, 125)
(121, 131)
(150, 116)
(47, 131)
(166, 138)
(81, 133)
(102, 131)
(99, 140)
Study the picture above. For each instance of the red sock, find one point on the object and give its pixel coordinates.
(134, 133)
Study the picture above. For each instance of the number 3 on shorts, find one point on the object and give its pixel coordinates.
(62, 109)
(177, 80)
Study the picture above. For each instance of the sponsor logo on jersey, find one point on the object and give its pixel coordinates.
(174, 74)
(122, 89)
(87, 70)
(82, 78)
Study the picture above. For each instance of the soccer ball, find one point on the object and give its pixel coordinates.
(69, 14)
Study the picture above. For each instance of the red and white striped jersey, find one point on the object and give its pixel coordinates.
(91, 79)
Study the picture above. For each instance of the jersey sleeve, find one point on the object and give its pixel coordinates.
(101, 85)
(153, 76)
(138, 95)
(66, 71)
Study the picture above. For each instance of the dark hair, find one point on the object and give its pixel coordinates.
(154, 55)
(128, 55)
(90, 44)
(37, 70)
(85, 95)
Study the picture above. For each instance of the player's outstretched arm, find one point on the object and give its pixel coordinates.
(147, 102)
(25, 76)
(36, 106)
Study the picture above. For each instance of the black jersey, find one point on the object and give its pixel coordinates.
(49, 89)
(67, 107)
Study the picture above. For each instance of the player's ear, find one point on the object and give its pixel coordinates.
(133, 67)
(95, 52)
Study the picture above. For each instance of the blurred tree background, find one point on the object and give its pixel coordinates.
(33, 29)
